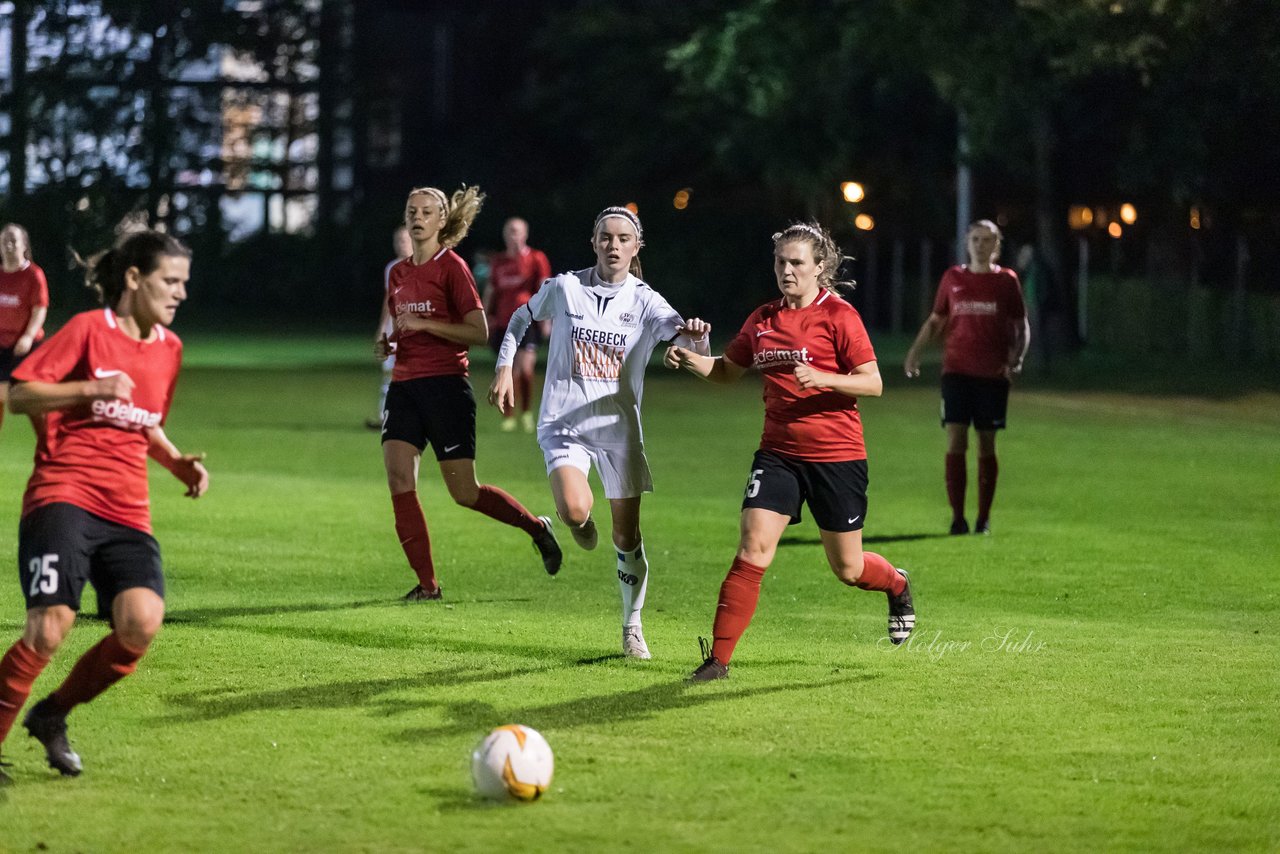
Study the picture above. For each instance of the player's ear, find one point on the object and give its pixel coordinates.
(132, 278)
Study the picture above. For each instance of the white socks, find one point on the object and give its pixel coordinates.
(633, 579)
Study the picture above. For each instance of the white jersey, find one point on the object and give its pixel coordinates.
(602, 336)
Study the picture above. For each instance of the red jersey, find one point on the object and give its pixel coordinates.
(806, 424)
(95, 455)
(981, 310)
(514, 280)
(442, 289)
(20, 292)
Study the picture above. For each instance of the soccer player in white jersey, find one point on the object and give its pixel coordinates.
(606, 322)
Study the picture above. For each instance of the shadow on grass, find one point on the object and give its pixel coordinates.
(201, 616)
(801, 540)
(473, 716)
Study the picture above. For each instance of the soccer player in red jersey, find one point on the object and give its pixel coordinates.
(980, 311)
(817, 361)
(515, 275)
(437, 313)
(24, 302)
(97, 392)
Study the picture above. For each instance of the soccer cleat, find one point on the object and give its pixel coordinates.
(422, 594)
(959, 526)
(547, 546)
(633, 645)
(508, 424)
(526, 422)
(982, 526)
(902, 614)
(49, 728)
(586, 535)
(711, 668)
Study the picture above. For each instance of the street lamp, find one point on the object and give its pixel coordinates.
(864, 222)
(1128, 214)
(853, 192)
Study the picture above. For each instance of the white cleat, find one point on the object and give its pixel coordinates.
(586, 535)
(633, 645)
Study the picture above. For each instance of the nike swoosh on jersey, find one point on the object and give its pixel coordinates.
(763, 332)
(102, 375)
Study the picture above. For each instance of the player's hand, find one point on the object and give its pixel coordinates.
(382, 348)
(695, 329)
(678, 358)
(117, 386)
(409, 322)
(502, 391)
(807, 377)
(911, 366)
(23, 345)
(189, 468)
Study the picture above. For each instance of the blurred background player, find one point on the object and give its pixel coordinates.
(24, 302)
(97, 392)
(608, 322)
(437, 314)
(817, 361)
(402, 246)
(515, 274)
(980, 310)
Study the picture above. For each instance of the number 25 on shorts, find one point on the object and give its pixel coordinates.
(44, 575)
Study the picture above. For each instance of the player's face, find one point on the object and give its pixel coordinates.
(157, 295)
(796, 270)
(423, 217)
(12, 247)
(515, 234)
(401, 244)
(616, 243)
(983, 245)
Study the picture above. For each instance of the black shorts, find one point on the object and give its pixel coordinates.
(835, 492)
(980, 401)
(439, 410)
(532, 337)
(8, 361)
(61, 546)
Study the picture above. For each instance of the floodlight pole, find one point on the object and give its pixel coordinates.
(964, 185)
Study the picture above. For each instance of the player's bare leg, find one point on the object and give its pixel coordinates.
(574, 499)
(401, 460)
(870, 571)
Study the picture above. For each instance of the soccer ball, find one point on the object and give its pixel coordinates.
(513, 761)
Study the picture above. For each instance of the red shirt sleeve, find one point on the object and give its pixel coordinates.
(463, 296)
(942, 300)
(1015, 307)
(740, 350)
(853, 345)
(54, 360)
(41, 296)
(542, 269)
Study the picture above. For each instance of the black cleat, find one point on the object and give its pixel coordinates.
(49, 728)
(982, 526)
(959, 526)
(902, 614)
(547, 546)
(711, 668)
(422, 594)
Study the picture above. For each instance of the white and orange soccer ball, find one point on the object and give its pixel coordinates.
(513, 761)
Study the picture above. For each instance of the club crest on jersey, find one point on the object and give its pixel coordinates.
(766, 359)
(628, 319)
(122, 413)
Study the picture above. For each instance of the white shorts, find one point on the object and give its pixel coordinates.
(624, 471)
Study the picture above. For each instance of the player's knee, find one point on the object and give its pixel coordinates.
(464, 494)
(848, 572)
(756, 551)
(46, 630)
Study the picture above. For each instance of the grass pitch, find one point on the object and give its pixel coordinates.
(1099, 674)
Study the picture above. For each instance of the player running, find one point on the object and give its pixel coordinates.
(514, 277)
(817, 361)
(97, 392)
(437, 314)
(980, 310)
(607, 323)
(24, 302)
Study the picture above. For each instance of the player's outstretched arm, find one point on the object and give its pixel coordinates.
(929, 330)
(188, 468)
(694, 335)
(36, 398)
(865, 381)
(716, 369)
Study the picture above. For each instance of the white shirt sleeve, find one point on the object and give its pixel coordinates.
(664, 321)
(541, 306)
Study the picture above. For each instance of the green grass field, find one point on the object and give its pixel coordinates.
(1100, 674)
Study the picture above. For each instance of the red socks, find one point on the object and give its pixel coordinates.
(411, 528)
(988, 471)
(879, 574)
(97, 670)
(497, 504)
(18, 671)
(957, 478)
(739, 595)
